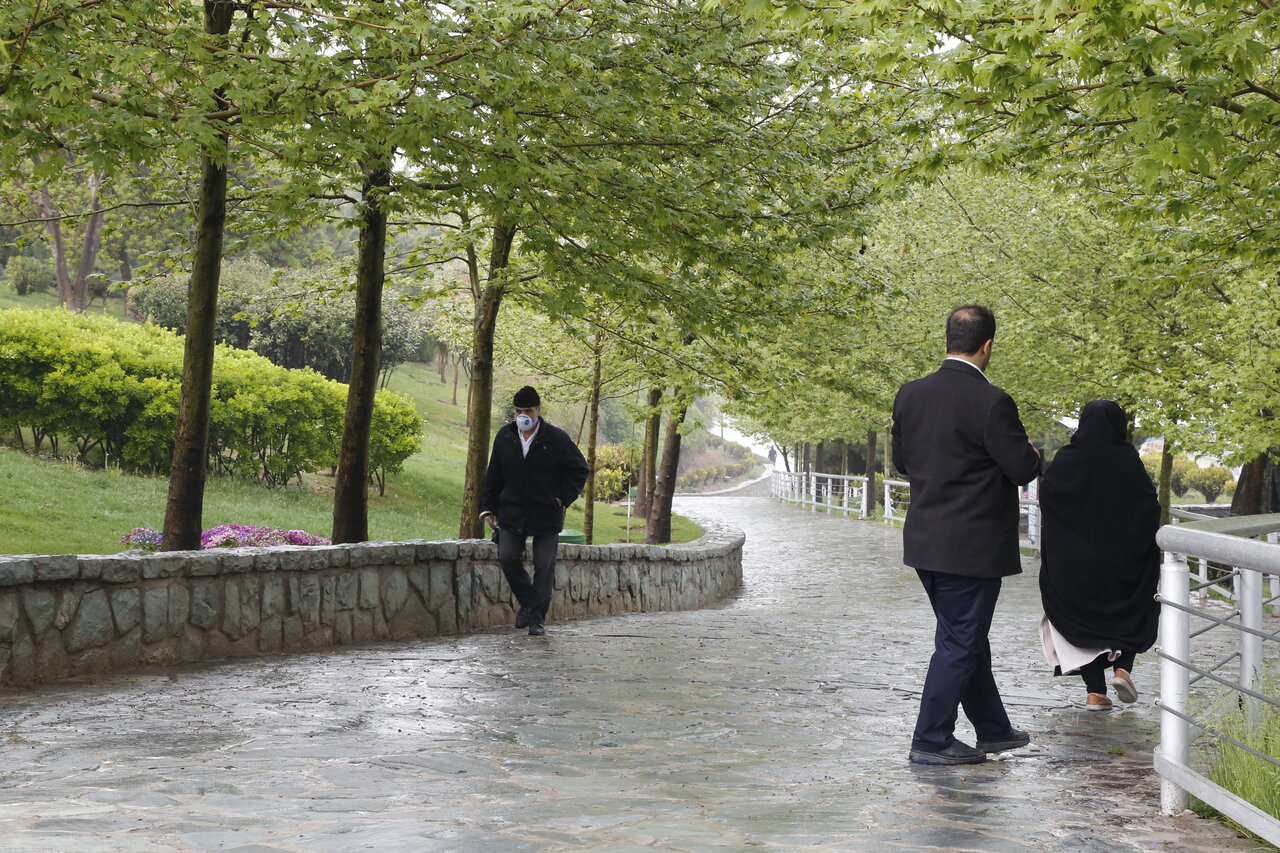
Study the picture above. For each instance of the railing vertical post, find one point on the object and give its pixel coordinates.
(1249, 585)
(1274, 592)
(888, 506)
(1033, 513)
(844, 497)
(866, 499)
(813, 491)
(1175, 647)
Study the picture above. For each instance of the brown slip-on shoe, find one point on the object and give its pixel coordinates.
(1123, 684)
(1097, 702)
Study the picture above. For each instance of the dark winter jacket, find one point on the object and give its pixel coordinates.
(523, 490)
(958, 439)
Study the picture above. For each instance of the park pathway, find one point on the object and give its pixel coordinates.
(779, 721)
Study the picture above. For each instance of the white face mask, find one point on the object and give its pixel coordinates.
(525, 422)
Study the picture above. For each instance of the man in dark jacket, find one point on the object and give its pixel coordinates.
(959, 441)
(535, 472)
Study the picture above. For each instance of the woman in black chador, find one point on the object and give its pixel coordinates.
(1099, 560)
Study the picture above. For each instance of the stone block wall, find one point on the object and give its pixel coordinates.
(83, 614)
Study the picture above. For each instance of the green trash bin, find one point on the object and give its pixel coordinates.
(573, 537)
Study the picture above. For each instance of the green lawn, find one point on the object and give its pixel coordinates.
(49, 299)
(51, 507)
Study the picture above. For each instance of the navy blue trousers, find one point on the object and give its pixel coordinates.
(960, 669)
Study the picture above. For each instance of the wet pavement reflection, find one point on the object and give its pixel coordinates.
(780, 720)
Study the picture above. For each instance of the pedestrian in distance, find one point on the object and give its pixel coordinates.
(958, 440)
(535, 473)
(1099, 561)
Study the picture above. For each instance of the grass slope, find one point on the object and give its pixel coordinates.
(49, 507)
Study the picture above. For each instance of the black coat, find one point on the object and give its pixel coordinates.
(522, 490)
(1100, 564)
(960, 443)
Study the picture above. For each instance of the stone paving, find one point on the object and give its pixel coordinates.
(779, 721)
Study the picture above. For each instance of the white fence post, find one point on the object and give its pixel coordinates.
(1250, 605)
(1175, 646)
(866, 497)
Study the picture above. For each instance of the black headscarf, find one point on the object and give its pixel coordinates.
(1099, 560)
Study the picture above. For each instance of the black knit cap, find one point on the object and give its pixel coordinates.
(526, 398)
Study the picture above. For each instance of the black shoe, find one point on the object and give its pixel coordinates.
(956, 753)
(1014, 739)
(523, 618)
(536, 629)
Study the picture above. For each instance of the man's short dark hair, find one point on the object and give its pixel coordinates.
(968, 328)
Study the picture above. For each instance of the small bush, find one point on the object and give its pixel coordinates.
(28, 275)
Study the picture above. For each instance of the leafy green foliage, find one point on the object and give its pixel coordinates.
(27, 275)
(113, 387)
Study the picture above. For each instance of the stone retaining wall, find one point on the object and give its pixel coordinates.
(72, 615)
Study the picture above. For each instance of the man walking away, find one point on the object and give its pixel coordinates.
(960, 443)
(535, 472)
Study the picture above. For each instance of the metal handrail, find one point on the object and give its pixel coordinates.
(1227, 541)
(813, 489)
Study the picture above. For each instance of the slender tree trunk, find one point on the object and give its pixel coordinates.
(457, 369)
(1163, 485)
(57, 248)
(480, 396)
(658, 529)
(351, 485)
(808, 458)
(649, 454)
(184, 512)
(872, 435)
(786, 458)
(89, 246)
(593, 418)
(442, 362)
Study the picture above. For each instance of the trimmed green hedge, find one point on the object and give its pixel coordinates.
(115, 386)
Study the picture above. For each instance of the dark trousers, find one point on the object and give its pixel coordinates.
(533, 596)
(960, 669)
(1095, 672)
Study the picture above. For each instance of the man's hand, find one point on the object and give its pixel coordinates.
(490, 520)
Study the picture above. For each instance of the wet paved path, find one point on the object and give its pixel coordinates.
(779, 721)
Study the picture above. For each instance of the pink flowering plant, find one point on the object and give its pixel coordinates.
(227, 536)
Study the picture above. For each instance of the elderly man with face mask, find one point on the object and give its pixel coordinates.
(535, 472)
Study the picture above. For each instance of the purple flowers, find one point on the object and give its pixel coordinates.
(142, 537)
(228, 536)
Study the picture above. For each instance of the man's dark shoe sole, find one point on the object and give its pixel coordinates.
(947, 757)
(523, 619)
(1014, 740)
(536, 630)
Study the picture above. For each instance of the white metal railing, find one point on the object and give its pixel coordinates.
(829, 492)
(848, 495)
(1244, 550)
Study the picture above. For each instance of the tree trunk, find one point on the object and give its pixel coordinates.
(649, 455)
(457, 369)
(351, 485)
(786, 458)
(872, 435)
(484, 323)
(442, 361)
(1163, 485)
(89, 246)
(658, 530)
(1258, 489)
(58, 248)
(593, 417)
(184, 511)
(808, 458)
